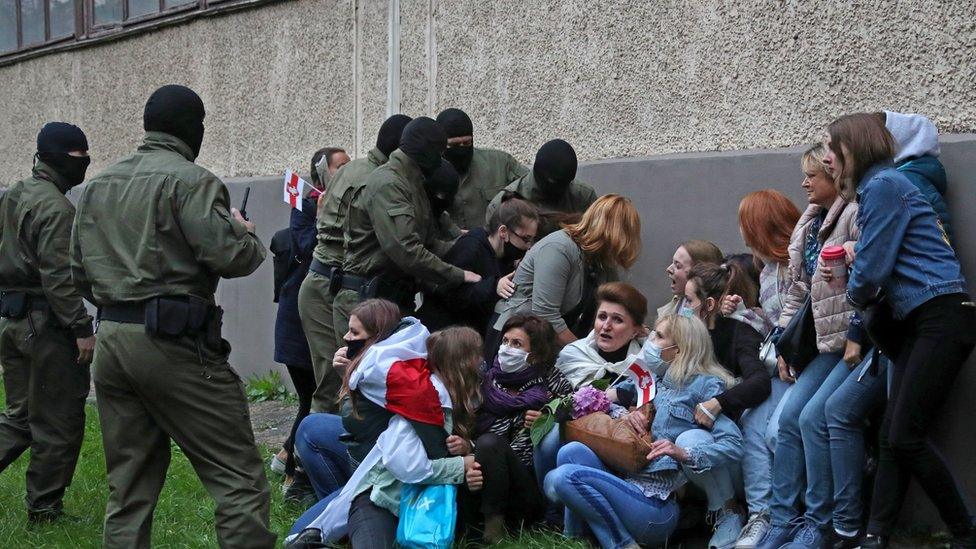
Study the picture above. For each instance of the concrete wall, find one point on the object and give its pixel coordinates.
(619, 78)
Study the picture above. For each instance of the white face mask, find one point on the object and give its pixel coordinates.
(511, 359)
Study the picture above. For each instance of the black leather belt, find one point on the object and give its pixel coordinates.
(353, 282)
(323, 269)
(127, 313)
(37, 302)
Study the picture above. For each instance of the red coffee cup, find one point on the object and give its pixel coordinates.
(834, 257)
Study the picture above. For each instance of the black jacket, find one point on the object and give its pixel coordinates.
(737, 349)
(469, 304)
(291, 347)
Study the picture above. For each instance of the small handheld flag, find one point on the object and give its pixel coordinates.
(294, 189)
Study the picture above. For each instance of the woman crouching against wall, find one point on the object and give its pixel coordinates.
(520, 382)
(641, 508)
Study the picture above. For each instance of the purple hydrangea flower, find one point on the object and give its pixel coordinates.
(588, 400)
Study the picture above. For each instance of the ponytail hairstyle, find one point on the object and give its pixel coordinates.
(514, 212)
(455, 355)
(696, 355)
(717, 281)
(379, 318)
(750, 267)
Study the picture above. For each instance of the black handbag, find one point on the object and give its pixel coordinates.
(798, 342)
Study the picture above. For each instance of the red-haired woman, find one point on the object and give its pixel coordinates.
(766, 221)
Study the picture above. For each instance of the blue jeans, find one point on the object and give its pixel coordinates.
(758, 444)
(324, 458)
(816, 448)
(846, 411)
(616, 511)
(717, 483)
(544, 455)
(312, 513)
(789, 463)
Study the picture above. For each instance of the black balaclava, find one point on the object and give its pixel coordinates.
(424, 140)
(388, 140)
(554, 168)
(178, 111)
(54, 142)
(457, 124)
(441, 187)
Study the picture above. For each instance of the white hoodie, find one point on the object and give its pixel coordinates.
(916, 135)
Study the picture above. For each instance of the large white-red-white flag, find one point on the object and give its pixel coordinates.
(644, 380)
(294, 189)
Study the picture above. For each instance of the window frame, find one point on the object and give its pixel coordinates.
(87, 33)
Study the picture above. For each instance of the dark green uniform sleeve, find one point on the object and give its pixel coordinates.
(394, 220)
(218, 241)
(78, 274)
(515, 169)
(52, 234)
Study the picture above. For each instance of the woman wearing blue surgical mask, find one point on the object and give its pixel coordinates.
(518, 384)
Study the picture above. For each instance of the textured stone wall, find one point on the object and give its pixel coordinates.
(617, 78)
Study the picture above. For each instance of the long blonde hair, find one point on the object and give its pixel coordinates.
(696, 355)
(609, 232)
(453, 353)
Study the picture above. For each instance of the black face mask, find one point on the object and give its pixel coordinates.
(554, 168)
(177, 111)
(457, 123)
(512, 252)
(354, 347)
(54, 142)
(388, 138)
(442, 187)
(423, 141)
(71, 168)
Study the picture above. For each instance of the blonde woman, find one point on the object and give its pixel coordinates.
(641, 508)
(558, 278)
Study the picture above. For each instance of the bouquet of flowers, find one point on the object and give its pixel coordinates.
(586, 400)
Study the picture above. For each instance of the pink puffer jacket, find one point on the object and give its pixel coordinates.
(831, 311)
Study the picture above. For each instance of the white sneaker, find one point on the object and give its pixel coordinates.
(753, 531)
(277, 465)
(727, 528)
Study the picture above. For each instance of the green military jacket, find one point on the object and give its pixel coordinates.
(157, 224)
(35, 232)
(577, 199)
(333, 206)
(390, 231)
(490, 171)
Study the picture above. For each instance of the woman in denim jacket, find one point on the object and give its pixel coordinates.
(904, 259)
(641, 508)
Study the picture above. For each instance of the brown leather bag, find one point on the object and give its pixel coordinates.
(614, 441)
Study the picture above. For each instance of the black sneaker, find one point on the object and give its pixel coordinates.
(41, 516)
(873, 542)
(309, 538)
(300, 491)
(841, 541)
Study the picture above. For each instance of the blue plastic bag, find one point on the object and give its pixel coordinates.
(428, 514)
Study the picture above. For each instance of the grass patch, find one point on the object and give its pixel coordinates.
(266, 387)
(184, 516)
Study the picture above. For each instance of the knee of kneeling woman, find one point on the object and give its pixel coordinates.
(489, 442)
(556, 481)
(567, 454)
(693, 437)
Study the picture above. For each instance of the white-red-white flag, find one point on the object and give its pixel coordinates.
(294, 189)
(644, 380)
